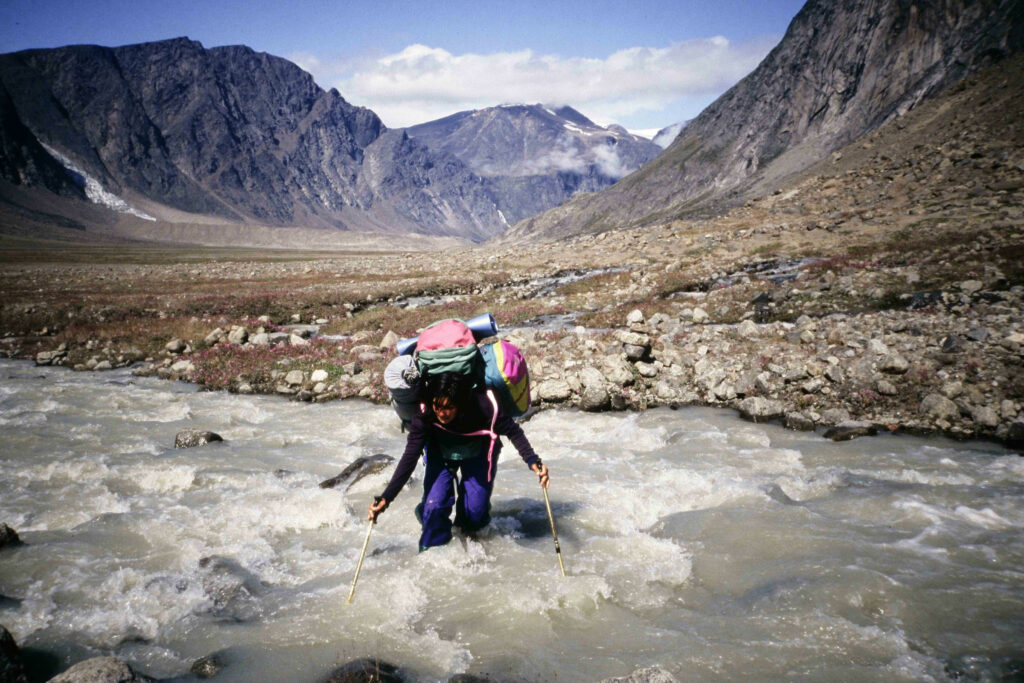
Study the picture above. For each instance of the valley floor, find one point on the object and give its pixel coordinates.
(881, 289)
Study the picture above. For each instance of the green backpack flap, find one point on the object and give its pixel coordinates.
(447, 346)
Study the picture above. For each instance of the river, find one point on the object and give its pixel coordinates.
(714, 548)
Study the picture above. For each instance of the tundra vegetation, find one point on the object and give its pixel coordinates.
(880, 288)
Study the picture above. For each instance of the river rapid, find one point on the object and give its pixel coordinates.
(711, 547)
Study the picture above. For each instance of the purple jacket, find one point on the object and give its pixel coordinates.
(475, 416)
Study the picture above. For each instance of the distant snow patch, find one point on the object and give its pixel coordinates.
(94, 190)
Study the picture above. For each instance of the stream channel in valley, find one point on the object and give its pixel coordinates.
(714, 548)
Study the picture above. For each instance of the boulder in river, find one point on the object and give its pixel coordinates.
(8, 536)
(190, 438)
(362, 466)
(845, 431)
(101, 670)
(364, 670)
(208, 666)
(12, 667)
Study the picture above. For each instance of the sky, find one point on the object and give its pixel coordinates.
(642, 64)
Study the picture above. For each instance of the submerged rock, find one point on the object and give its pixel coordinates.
(846, 431)
(101, 670)
(365, 670)
(654, 674)
(362, 466)
(190, 438)
(208, 666)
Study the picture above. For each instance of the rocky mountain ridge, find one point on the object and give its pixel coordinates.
(534, 157)
(172, 128)
(842, 70)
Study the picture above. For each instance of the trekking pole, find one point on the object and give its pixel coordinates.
(359, 566)
(554, 534)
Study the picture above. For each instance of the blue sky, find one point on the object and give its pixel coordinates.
(644, 64)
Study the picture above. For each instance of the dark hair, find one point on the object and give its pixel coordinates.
(448, 386)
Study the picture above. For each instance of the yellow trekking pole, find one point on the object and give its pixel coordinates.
(359, 566)
(554, 533)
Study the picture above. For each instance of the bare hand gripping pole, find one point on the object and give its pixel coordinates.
(554, 534)
(359, 566)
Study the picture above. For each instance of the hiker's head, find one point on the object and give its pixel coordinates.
(447, 393)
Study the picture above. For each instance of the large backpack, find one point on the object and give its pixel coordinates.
(451, 346)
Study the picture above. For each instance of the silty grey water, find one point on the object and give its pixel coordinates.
(714, 548)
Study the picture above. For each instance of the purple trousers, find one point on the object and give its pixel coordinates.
(472, 479)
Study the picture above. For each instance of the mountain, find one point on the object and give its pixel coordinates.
(535, 157)
(840, 71)
(173, 131)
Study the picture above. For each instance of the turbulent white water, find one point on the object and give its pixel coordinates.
(713, 548)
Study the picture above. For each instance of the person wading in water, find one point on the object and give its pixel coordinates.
(458, 426)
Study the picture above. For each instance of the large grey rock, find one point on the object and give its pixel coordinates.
(595, 398)
(238, 335)
(190, 438)
(554, 390)
(938, 407)
(618, 371)
(101, 670)
(760, 409)
(845, 431)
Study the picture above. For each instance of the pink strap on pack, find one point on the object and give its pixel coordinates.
(482, 432)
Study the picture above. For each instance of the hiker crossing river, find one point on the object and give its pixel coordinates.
(696, 544)
(458, 424)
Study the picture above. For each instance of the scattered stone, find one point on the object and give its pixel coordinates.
(635, 317)
(799, 422)
(176, 346)
(885, 387)
(617, 370)
(101, 670)
(554, 390)
(700, 316)
(389, 340)
(845, 431)
(953, 344)
(260, 339)
(190, 438)
(894, 364)
(364, 671)
(834, 416)
(594, 398)
(938, 407)
(295, 378)
(985, 417)
(978, 334)
(296, 340)
(363, 466)
(877, 347)
(759, 409)
(318, 376)
(835, 374)
(238, 335)
(214, 337)
(747, 329)
(647, 369)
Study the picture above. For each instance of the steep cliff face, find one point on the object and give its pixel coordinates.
(24, 162)
(535, 157)
(232, 133)
(841, 70)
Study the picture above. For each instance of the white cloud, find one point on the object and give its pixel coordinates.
(422, 83)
